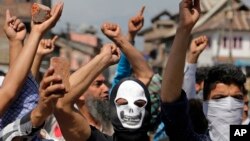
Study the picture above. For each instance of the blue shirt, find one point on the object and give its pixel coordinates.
(27, 100)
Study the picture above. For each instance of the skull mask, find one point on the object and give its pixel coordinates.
(130, 104)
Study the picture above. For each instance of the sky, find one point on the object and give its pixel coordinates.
(95, 12)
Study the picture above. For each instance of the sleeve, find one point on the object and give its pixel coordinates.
(123, 70)
(177, 122)
(154, 89)
(19, 128)
(189, 80)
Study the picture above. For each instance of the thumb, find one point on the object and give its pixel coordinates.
(196, 14)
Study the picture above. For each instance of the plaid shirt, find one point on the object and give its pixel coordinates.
(24, 103)
(20, 128)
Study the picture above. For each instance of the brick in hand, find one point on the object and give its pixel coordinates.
(62, 68)
(40, 13)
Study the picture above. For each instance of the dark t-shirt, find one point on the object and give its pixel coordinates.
(96, 135)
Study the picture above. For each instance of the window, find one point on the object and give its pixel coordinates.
(225, 42)
(237, 42)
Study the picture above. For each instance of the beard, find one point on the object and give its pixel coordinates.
(100, 110)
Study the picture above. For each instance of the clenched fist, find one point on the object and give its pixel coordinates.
(111, 53)
(111, 30)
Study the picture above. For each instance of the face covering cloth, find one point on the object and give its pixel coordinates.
(221, 113)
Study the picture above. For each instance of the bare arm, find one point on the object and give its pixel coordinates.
(46, 46)
(123, 68)
(78, 128)
(17, 74)
(173, 74)
(15, 30)
(140, 67)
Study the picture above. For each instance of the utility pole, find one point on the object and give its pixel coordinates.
(230, 16)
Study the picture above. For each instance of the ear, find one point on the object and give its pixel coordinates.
(197, 87)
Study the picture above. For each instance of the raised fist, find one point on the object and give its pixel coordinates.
(111, 53)
(111, 30)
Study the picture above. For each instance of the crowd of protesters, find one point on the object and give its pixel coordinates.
(186, 103)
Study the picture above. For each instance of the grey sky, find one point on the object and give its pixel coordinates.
(95, 12)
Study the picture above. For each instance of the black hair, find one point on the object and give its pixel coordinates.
(2, 73)
(223, 73)
(201, 74)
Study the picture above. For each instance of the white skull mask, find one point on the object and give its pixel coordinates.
(130, 104)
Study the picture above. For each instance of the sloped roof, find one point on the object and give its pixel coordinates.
(158, 16)
(239, 22)
(239, 19)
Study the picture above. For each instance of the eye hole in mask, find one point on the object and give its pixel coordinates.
(140, 103)
(121, 101)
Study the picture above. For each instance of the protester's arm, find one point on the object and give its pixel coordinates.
(15, 31)
(45, 47)
(51, 89)
(18, 72)
(77, 128)
(197, 46)
(123, 67)
(173, 73)
(141, 69)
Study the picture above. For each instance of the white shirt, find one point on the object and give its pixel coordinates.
(1, 80)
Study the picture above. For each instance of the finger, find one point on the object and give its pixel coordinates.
(49, 72)
(55, 89)
(11, 21)
(118, 52)
(48, 43)
(56, 96)
(42, 42)
(54, 39)
(51, 80)
(21, 26)
(197, 5)
(16, 23)
(57, 11)
(113, 47)
(7, 15)
(142, 11)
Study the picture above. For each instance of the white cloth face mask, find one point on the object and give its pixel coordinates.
(130, 114)
(221, 113)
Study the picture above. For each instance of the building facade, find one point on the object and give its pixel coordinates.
(226, 23)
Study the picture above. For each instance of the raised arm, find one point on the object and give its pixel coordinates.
(197, 46)
(173, 73)
(141, 69)
(123, 67)
(18, 72)
(15, 31)
(45, 47)
(78, 128)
